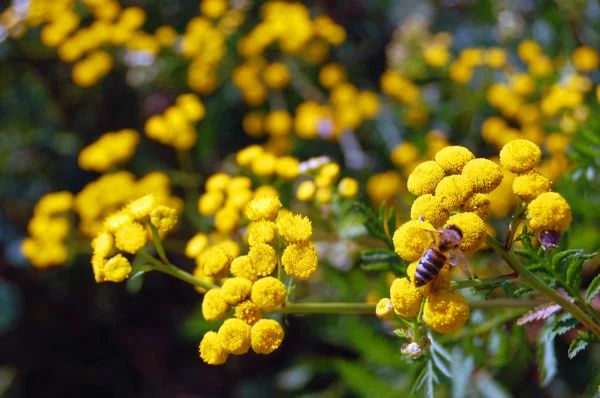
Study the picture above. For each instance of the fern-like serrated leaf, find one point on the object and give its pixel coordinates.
(376, 267)
(539, 313)
(562, 325)
(559, 257)
(391, 222)
(576, 347)
(574, 273)
(546, 359)
(593, 289)
(378, 255)
(381, 216)
(366, 211)
(426, 378)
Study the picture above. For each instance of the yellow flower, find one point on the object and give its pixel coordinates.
(276, 75)
(424, 178)
(306, 190)
(199, 273)
(266, 335)
(268, 293)
(230, 246)
(217, 182)
(55, 202)
(405, 298)
(235, 290)
(253, 124)
(214, 260)
(196, 245)
(261, 232)
(49, 228)
(248, 312)
(265, 190)
(368, 102)
(530, 185)
(278, 123)
(242, 267)
(116, 269)
(528, 50)
(323, 195)
(238, 183)
(227, 220)
(234, 336)
(442, 281)
(294, 228)
(453, 158)
(348, 187)
(213, 8)
(557, 143)
(484, 174)
(141, 207)
(331, 74)
(287, 168)
(213, 306)
(263, 259)
(163, 218)
(412, 239)
(549, 212)
(131, 237)
(384, 309)
(103, 244)
(117, 220)
(478, 203)
(238, 199)
(473, 230)
(495, 57)
(211, 351)
(405, 153)
(586, 59)
(262, 207)
(436, 55)
(246, 156)
(384, 186)
(520, 155)
(300, 260)
(453, 191)
(191, 106)
(429, 207)
(445, 311)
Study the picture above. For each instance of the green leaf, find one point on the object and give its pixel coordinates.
(593, 289)
(363, 382)
(559, 257)
(139, 270)
(378, 255)
(525, 253)
(546, 358)
(462, 370)
(381, 217)
(427, 377)
(391, 222)
(376, 267)
(576, 346)
(366, 211)
(374, 230)
(574, 273)
(562, 325)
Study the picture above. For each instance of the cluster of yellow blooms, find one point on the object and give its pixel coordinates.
(175, 126)
(277, 238)
(323, 175)
(264, 163)
(110, 150)
(127, 231)
(48, 229)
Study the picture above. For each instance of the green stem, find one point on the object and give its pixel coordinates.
(530, 280)
(514, 224)
(158, 243)
(178, 273)
(149, 258)
(483, 282)
(506, 303)
(482, 328)
(325, 308)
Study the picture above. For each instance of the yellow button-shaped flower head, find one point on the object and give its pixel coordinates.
(211, 351)
(453, 191)
(196, 245)
(530, 185)
(227, 220)
(264, 165)
(405, 153)
(484, 174)
(214, 260)
(445, 311)
(549, 212)
(412, 239)
(263, 259)
(405, 297)
(213, 306)
(268, 293)
(199, 273)
(248, 312)
(262, 208)
(234, 336)
(163, 218)
(266, 191)
(385, 309)
(473, 230)
(453, 158)
(242, 267)
(141, 207)
(586, 59)
(519, 156)
(116, 269)
(348, 187)
(210, 202)
(442, 281)
(300, 260)
(235, 290)
(246, 156)
(287, 168)
(424, 178)
(55, 202)
(230, 246)
(239, 199)
(217, 182)
(266, 335)
(131, 237)
(429, 207)
(103, 244)
(116, 220)
(306, 190)
(261, 232)
(478, 203)
(294, 228)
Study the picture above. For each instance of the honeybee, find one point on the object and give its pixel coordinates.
(443, 248)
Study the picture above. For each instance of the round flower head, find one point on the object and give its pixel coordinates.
(248, 312)
(385, 309)
(530, 185)
(116, 269)
(348, 187)
(116, 220)
(261, 232)
(103, 244)
(268, 293)
(246, 156)
(405, 297)
(442, 281)
(549, 212)
(196, 245)
(306, 190)
(484, 174)
(238, 199)
(405, 153)
(429, 207)
(237, 183)
(453, 158)
(300, 260)
(266, 336)
(234, 336)
(412, 239)
(264, 165)
(227, 220)
(55, 202)
(214, 260)
(210, 202)
(520, 155)
(199, 273)
(478, 203)
(263, 259)
(131, 237)
(163, 218)
(217, 182)
(262, 208)
(242, 267)
(230, 246)
(266, 190)
(287, 168)
(211, 351)
(473, 230)
(213, 306)
(142, 207)
(453, 191)
(424, 178)
(445, 311)
(235, 290)
(294, 228)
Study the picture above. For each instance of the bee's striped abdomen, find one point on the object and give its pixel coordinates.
(429, 266)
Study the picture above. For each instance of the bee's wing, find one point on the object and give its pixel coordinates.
(457, 258)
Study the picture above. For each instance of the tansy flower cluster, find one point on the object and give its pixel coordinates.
(175, 127)
(110, 150)
(264, 163)
(324, 182)
(48, 229)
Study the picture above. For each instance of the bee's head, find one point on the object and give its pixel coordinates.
(451, 236)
